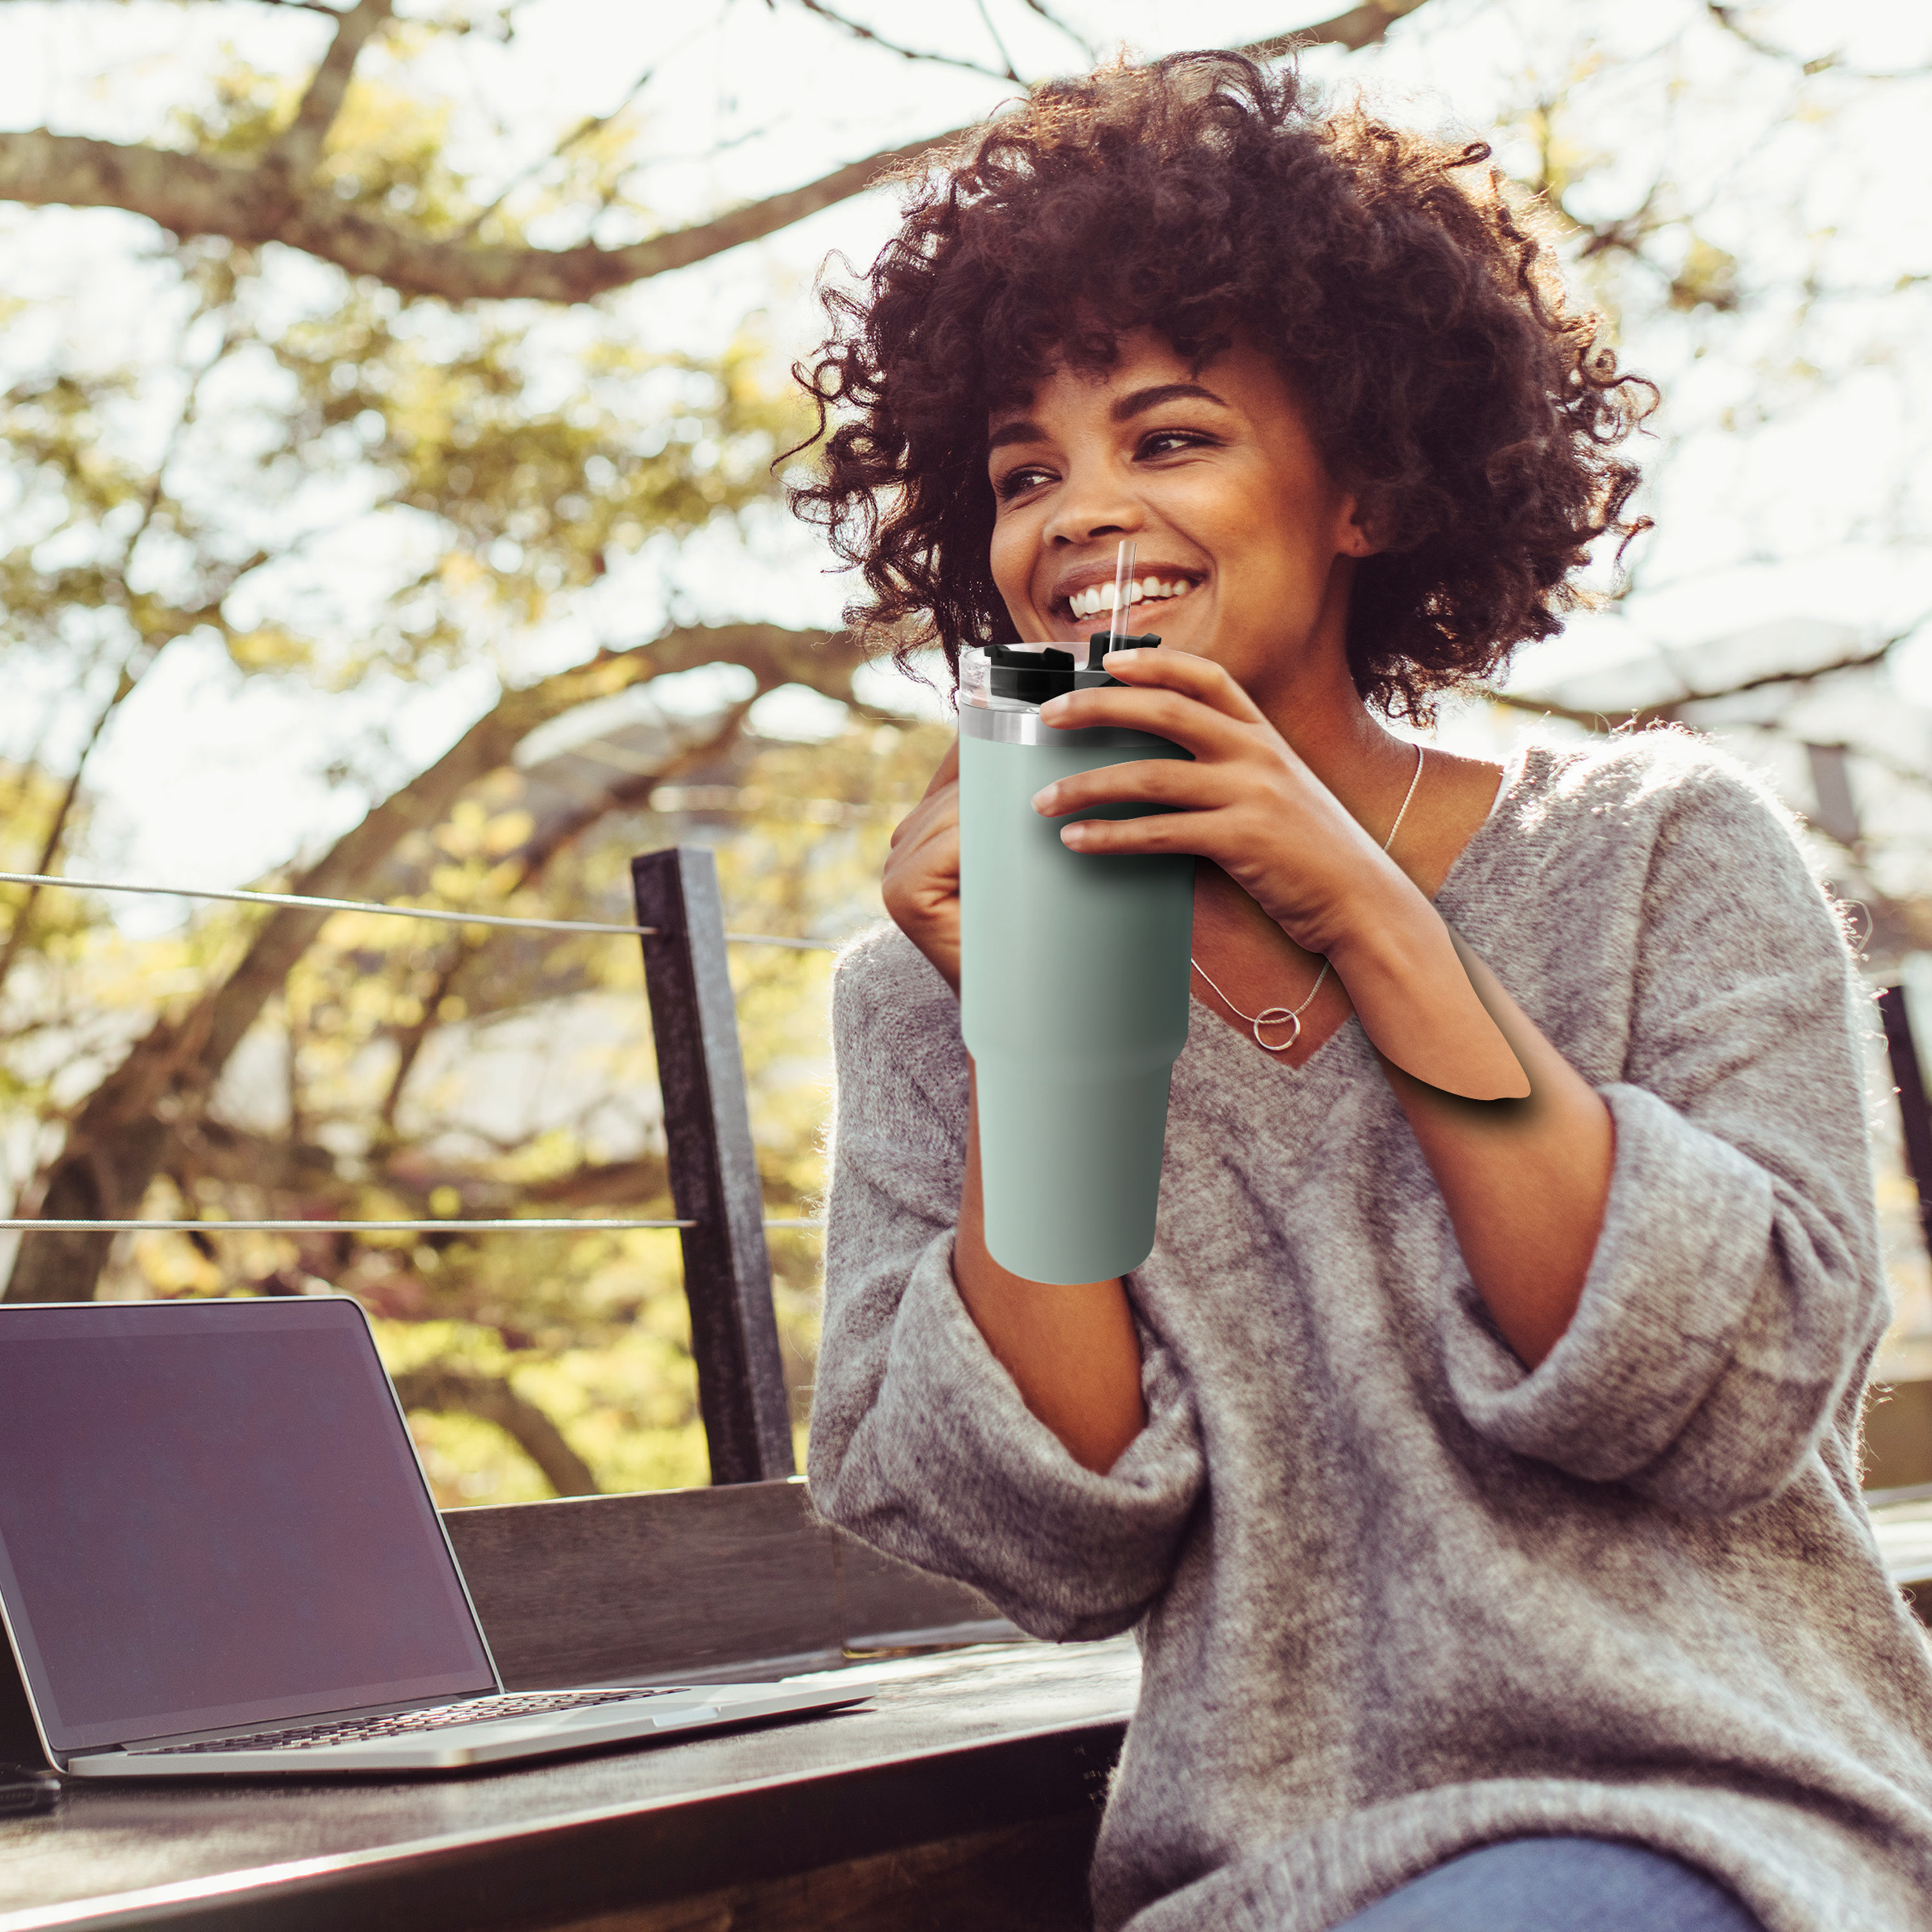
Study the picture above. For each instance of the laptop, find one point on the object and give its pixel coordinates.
(218, 1556)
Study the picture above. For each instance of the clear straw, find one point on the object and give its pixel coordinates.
(1124, 577)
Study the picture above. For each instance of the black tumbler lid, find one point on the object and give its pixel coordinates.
(1033, 677)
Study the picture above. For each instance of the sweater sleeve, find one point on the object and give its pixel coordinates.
(920, 1443)
(1736, 1294)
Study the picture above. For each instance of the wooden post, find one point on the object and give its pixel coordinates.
(714, 1171)
(1914, 1114)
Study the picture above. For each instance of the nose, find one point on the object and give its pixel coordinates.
(1096, 504)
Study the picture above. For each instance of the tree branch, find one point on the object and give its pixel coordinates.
(410, 1040)
(591, 124)
(609, 1184)
(531, 860)
(301, 145)
(1360, 27)
(276, 201)
(1644, 717)
(116, 1135)
(1729, 18)
(635, 788)
(773, 656)
(993, 35)
(190, 194)
(1072, 33)
(860, 32)
(132, 668)
(441, 1390)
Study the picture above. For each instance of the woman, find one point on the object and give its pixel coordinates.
(1480, 1475)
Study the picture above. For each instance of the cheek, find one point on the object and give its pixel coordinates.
(1236, 512)
(1011, 556)
(1281, 536)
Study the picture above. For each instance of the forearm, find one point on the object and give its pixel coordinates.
(1072, 1352)
(1525, 1180)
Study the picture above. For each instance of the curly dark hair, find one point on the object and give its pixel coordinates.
(1422, 320)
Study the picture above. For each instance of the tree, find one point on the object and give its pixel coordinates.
(1760, 299)
(356, 1096)
(372, 345)
(447, 424)
(429, 379)
(287, 182)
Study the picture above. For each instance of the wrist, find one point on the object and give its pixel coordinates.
(944, 960)
(1377, 926)
(1412, 993)
(937, 941)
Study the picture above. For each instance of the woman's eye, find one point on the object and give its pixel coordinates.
(1172, 442)
(1017, 482)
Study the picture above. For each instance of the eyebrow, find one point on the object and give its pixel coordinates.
(1015, 432)
(1141, 401)
(1124, 409)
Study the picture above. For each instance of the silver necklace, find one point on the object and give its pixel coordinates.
(1291, 1016)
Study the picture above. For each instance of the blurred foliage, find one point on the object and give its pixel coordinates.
(500, 459)
(504, 464)
(414, 1072)
(491, 466)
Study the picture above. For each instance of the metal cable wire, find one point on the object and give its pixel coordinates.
(310, 1227)
(395, 911)
(449, 1227)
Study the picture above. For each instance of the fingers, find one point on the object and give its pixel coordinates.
(1169, 781)
(1188, 677)
(927, 877)
(1202, 729)
(921, 886)
(1196, 831)
(930, 833)
(921, 890)
(922, 877)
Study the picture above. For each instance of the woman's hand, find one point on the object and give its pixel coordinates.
(1247, 802)
(921, 883)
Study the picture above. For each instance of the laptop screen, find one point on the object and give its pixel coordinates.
(210, 1515)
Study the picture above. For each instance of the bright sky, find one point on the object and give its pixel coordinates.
(1796, 483)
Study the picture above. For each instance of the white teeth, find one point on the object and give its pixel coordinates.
(1099, 597)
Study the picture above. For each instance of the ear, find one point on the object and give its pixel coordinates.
(1355, 529)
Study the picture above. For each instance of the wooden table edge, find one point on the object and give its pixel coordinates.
(647, 1852)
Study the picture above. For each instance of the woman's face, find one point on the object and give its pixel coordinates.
(1242, 538)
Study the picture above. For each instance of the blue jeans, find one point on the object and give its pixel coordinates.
(1555, 1885)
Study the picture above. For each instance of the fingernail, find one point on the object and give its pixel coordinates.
(1043, 798)
(1052, 705)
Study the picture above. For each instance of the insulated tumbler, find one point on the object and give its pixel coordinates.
(1074, 979)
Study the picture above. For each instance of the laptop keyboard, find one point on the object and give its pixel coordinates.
(404, 1724)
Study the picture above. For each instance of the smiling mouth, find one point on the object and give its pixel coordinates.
(1097, 599)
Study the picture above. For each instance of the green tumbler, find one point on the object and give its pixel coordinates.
(1074, 981)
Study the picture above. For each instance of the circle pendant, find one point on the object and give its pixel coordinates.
(1276, 1016)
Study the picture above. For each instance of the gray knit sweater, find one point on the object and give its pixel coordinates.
(1397, 1597)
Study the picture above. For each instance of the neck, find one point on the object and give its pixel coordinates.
(1315, 705)
(1312, 702)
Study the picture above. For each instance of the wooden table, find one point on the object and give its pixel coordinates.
(964, 1793)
